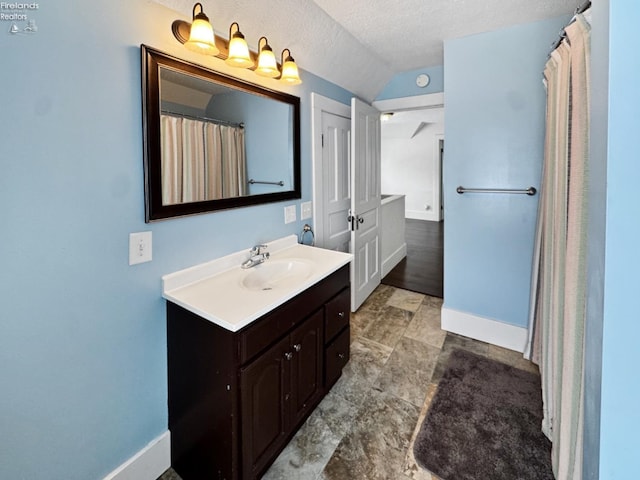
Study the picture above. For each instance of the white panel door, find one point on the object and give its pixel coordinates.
(365, 201)
(336, 182)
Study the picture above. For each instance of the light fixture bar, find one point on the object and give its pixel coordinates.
(286, 70)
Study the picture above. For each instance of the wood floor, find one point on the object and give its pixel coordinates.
(421, 270)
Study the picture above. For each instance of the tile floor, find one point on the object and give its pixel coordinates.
(364, 427)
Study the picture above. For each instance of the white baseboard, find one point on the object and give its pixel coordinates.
(148, 464)
(484, 329)
(422, 215)
(393, 259)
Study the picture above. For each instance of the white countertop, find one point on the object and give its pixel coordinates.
(214, 290)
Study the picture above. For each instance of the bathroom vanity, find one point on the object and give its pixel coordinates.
(241, 384)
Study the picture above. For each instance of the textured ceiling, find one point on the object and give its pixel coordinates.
(361, 44)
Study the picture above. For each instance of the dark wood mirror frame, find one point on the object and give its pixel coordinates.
(152, 60)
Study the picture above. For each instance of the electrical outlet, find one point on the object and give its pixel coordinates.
(305, 210)
(140, 247)
(290, 214)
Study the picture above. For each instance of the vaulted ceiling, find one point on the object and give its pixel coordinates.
(361, 44)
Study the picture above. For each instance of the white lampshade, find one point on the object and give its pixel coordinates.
(238, 50)
(290, 73)
(201, 37)
(267, 64)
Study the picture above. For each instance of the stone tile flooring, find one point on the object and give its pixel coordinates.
(364, 428)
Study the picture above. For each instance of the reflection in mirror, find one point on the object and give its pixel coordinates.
(214, 142)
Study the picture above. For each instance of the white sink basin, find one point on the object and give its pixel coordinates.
(274, 274)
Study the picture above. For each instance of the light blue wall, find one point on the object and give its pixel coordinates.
(266, 123)
(82, 334)
(494, 119)
(404, 84)
(620, 417)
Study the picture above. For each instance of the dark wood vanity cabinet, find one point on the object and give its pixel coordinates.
(278, 390)
(237, 398)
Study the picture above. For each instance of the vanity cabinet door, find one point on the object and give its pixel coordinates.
(265, 407)
(306, 367)
(336, 357)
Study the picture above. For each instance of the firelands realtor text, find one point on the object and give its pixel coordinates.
(16, 11)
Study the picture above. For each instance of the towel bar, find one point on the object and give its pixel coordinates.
(528, 191)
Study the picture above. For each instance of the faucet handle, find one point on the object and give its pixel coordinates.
(256, 249)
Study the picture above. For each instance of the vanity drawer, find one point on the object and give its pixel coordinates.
(336, 315)
(336, 357)
(263, 332)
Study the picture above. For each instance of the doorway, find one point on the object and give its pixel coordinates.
(422, 269)
(412, 161)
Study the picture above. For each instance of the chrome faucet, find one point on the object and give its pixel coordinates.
(257, 256)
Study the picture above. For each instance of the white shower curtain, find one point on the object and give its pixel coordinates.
(559, 299)
(193, 161)
(201, 160)
(171, 159)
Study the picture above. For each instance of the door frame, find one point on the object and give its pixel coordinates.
(320, 104)
(430, 100)
(438, 184)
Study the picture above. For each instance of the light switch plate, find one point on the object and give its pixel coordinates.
(290, 214)
(305, 210)
(140, 247)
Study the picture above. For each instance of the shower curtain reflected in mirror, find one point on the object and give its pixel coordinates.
(201, 160)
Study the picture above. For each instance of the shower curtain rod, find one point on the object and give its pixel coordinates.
(206, 119)
(562, 34)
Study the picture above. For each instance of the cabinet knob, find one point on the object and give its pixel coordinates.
(297, 347)
(341, 356)
(288, 355)
(341, 314)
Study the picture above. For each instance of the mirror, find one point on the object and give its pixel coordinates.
(214, 142)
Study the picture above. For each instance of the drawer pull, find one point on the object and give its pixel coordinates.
(288, 355)
(341, 314)
(297, 347)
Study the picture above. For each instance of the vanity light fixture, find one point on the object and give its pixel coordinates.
(290, 73)
(201, 37)
(267, 64)
(238, 48)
